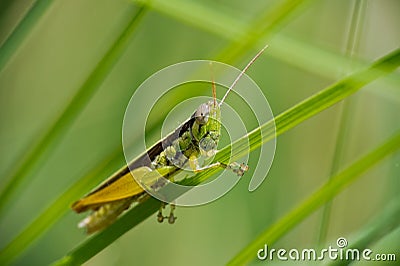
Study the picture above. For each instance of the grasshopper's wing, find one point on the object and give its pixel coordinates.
(121, 188)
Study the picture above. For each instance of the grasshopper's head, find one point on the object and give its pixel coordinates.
(206, 128)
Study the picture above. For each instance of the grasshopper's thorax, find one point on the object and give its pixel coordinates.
(206, 128)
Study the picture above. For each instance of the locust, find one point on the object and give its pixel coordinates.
(197, 137)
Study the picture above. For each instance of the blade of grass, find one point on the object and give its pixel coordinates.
(316, 200)
(284, 122)
(325, 63)
(210, 20)
(16, 38)
(207, 19)
(262, 28)
(48, 142)
(48, 217)
(98, 242)
(382, 225)
(306, 109)
(58, 208)
(287, 49)
(347, 109)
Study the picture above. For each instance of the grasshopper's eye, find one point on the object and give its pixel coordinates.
(202, 114)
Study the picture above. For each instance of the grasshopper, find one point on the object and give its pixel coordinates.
(196, 137)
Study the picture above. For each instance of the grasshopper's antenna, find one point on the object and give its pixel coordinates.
(214, 88)
(243, 71)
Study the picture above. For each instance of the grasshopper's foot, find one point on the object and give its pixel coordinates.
(171, 218)
(160, 216)
(237, 168)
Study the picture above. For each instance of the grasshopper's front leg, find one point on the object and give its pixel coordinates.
(235, 167)
(208, 147)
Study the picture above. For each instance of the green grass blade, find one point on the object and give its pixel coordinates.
(58, 208)
(311, 106)
(343, 132)
(206, 19)
(347, 109)
(284, 122)
(282, 47)
(14, 41)
(316, 200)
(98, 242)
(46, 145)
(212, 21)
(262, 28)
(382, 225)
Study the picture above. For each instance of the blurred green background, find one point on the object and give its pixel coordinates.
(309, 50)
